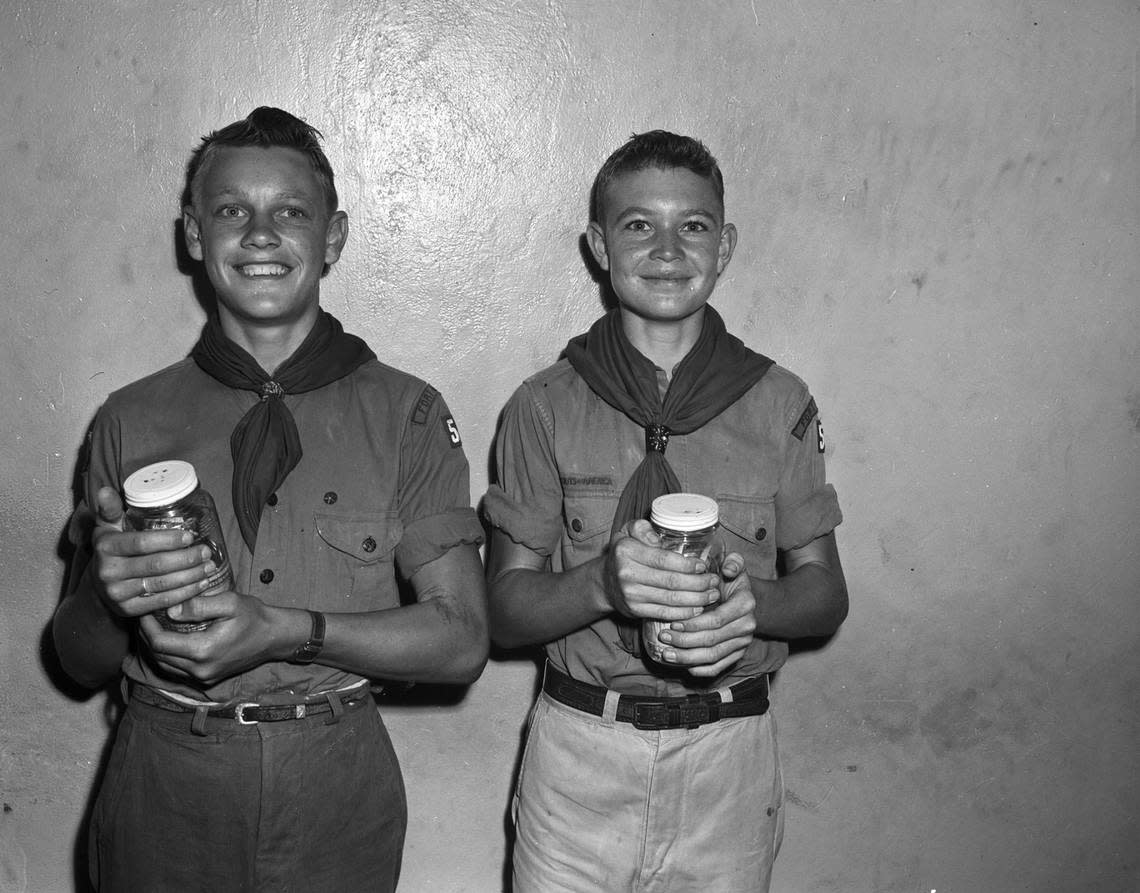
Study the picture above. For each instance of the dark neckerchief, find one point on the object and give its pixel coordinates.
(715, 373)
(265, 443)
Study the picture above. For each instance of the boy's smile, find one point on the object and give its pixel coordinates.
(261, 225)
(663, 241)
(254, 271)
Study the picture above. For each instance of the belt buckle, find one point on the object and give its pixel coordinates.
(651, 715)
(688, 714)
(675, 715)
(272, 713)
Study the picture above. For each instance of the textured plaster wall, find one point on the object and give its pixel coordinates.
(938, 207)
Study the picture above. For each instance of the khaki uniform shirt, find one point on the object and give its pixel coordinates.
(382, 488)
(563, 456)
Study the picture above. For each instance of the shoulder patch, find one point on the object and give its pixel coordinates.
(452, 432)
(427, 398)
(806, 416)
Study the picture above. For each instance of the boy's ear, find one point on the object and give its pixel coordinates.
(597, 241)
(726, 247)
(335, 237)
(192, 232)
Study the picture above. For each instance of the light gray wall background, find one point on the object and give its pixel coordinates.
(938, 208)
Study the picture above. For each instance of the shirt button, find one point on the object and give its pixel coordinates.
(330, 498)
(266, 576)
(576, 525)
(272, 500)
(761, 533)
(369, 545)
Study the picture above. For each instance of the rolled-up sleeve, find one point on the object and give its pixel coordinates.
(807, 507)
(435, 489)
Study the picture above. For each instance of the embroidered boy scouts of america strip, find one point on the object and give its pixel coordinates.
(585, 480)
(810, 412)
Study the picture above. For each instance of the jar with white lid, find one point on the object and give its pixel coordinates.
(167, 496)
(687, 523)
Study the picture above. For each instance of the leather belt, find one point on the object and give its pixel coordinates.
(248, 713)
(749, 698)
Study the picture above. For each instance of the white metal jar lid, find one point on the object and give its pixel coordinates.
(684, 511)
(160, 483)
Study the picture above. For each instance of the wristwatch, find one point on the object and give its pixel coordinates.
(308, 652)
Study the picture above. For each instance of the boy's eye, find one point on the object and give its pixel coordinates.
(638, 226)
(294, 213)
(695, 226)
(230, 211)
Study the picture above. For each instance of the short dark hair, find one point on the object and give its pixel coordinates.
(265, 127)
(660, 149)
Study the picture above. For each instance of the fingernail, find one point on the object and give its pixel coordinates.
(665, 636)
(669, 654)
(210, 567)
(701, 567)
(206, 553)
(187, 538)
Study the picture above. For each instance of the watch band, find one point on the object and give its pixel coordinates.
(308, 652)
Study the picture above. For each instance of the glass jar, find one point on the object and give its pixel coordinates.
(687, 523)
(167, 496)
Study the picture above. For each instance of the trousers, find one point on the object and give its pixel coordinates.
(299, 805)
(600, 805)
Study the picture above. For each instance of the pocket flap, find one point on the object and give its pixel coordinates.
(366, 538)
(753, 520)
(588, 516)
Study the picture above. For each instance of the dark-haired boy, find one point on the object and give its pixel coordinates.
(637, 775)
(251, 755)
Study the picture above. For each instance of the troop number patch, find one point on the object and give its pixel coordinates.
(453, 432)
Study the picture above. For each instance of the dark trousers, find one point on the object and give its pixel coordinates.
(298, 805)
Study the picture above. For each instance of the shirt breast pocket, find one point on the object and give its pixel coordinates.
(355, 566)
(587, 518)
(749, 527)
